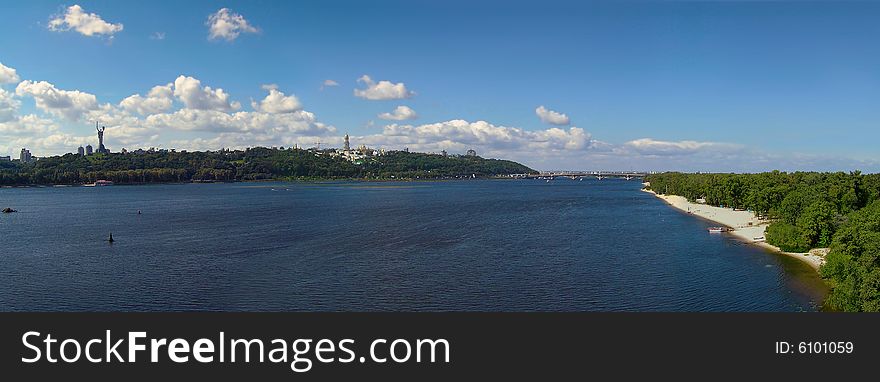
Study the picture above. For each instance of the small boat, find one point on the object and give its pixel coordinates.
(99, 183)
(717, 229)
(110, 239)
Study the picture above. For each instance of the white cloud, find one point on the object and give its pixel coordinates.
(27, 125)
(70, 104)
(41, 135)
(206, 118)
(8, 75)
(190, 91)
(382, 90)
(648, 146)
(87, 24)
(551, 117)
(227, 25)
(328, 84)
(482, 135)
(400, 113)
(157, 36)
(260, 126)
(8, 106)
(158, 100)
(277, 102)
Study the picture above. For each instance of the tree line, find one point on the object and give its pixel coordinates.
(839, 210)
(243, 165)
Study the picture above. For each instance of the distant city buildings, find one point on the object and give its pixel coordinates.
(89, 150)
(25, 156)
(471, 153)
(81, 151)
(356, 156)
(5, 159)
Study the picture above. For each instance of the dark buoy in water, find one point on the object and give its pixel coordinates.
(139, 212)
(110, 240)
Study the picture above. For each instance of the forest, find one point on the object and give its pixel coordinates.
(246, 165)
(839, 210)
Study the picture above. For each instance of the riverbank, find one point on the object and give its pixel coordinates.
(744, 225)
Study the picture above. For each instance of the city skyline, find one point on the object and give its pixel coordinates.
(658, 86)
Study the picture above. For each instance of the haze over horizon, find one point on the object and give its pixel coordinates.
(654, 86)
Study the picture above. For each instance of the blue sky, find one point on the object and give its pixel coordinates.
(697, 86)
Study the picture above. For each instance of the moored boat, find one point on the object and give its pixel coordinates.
(99, 183)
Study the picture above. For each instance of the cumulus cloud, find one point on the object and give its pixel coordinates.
(8, 106)
(382, 90)
(88, 24)
(158, 100)
(227, 25)
(27, 125)
(70, 104)
(206, 116)
(240, 129)
(8, 75)
(648, 146)
(461, 134)
(551, 117)
(190, 91)
(41, 135)
(400, 113)
(277, 102)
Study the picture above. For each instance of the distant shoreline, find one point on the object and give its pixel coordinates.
(744, 225)
(303, 180)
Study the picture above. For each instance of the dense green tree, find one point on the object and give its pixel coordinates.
(787, 237)
(816, 224)
(853, 265)
(809, 210)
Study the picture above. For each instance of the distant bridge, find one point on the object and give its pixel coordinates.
(549, 175)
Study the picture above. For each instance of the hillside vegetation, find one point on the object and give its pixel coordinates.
(252, 164)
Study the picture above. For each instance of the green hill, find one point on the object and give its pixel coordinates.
(251, 164)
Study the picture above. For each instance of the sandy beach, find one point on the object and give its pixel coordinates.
(744, 225)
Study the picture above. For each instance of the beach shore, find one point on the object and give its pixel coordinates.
(744, 225)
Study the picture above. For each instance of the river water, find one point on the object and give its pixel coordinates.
(513, 245)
